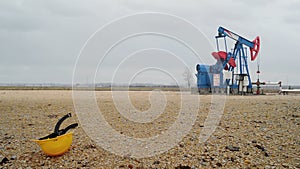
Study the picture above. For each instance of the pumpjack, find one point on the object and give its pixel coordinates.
(231, 73)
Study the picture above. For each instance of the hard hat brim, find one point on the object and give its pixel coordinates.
(56, 146)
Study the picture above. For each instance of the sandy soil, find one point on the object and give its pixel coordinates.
(254, 132)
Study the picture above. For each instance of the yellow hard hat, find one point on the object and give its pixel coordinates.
(56, 146)
(59, 141)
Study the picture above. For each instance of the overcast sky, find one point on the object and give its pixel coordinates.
(40, 40)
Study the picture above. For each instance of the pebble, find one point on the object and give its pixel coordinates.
(156, 162)
(3, 160)
(254, 141)
(266, 154)
(181, 144)
(13, 157)
(183, 167)
(218, 164)
(270, 167)
(285, 165)
(247, 161)
(203, 163)
(246, 153)
(260, 147)
(233, 148)
(130, 166)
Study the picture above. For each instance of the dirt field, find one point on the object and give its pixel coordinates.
(254, 132)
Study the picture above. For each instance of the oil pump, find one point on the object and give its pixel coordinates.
(237, 80)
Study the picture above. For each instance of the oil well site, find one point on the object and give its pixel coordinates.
(149, 84)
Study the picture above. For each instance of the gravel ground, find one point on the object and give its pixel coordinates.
(254, 132)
